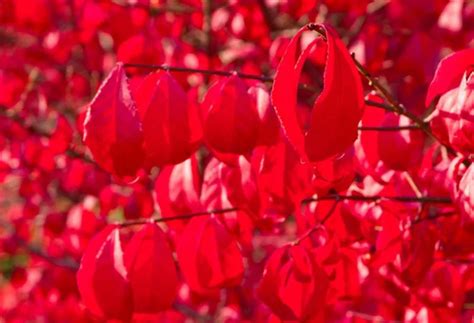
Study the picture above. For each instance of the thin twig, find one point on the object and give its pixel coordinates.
(267, 15)
(207, 26)
(33, 128)
(269, 79)
(395, 128)
(201, 71)
(379, 105)
(373, 82)
(377, 198)
(397, 107)
(156, 9)
(66, 263)
(176, 217)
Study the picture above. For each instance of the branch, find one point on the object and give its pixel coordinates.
(373, 82)
(198, 70)
(267, 15)
(379, 105)
(397, 107)
(270, 79)
(377, 198)
(395, 128)
(33, 128)
(176, 217)
(66, 263)
(207, 26)
(156, 9)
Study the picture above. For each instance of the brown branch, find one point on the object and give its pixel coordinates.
(386, 95)
(9, 114)
(267, 15)
(262, 78)
(207, 30)
(317, 28)
(207, 25)
(176, 217)
(33, 128)
(176, 9)
(156, 9)
(395, 128)
(201, 71)
(67, 263)
(397, 107)
(270, 79)
(377, 198)
(379, 105)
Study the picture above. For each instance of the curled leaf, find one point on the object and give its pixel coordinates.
(336, 112)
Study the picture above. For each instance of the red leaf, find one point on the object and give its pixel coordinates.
(266, 288)
(293, 285)
(101, 273)
(240, 184)
(112, 130)
(269, 131)
(209, 256)
(335, 173)
(178, 190)
(231, 121)
(465, 196)
(284, 94)
(222, 188)
(61, 137)
(409, 144)
(151, 270)
(336, 113)
(142, 48)
(366, 148)
(164, 110)
(417, 253)
(282, 176)
(453, 119)
(449, 73)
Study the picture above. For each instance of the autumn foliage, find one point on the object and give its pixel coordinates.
(228, 161)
